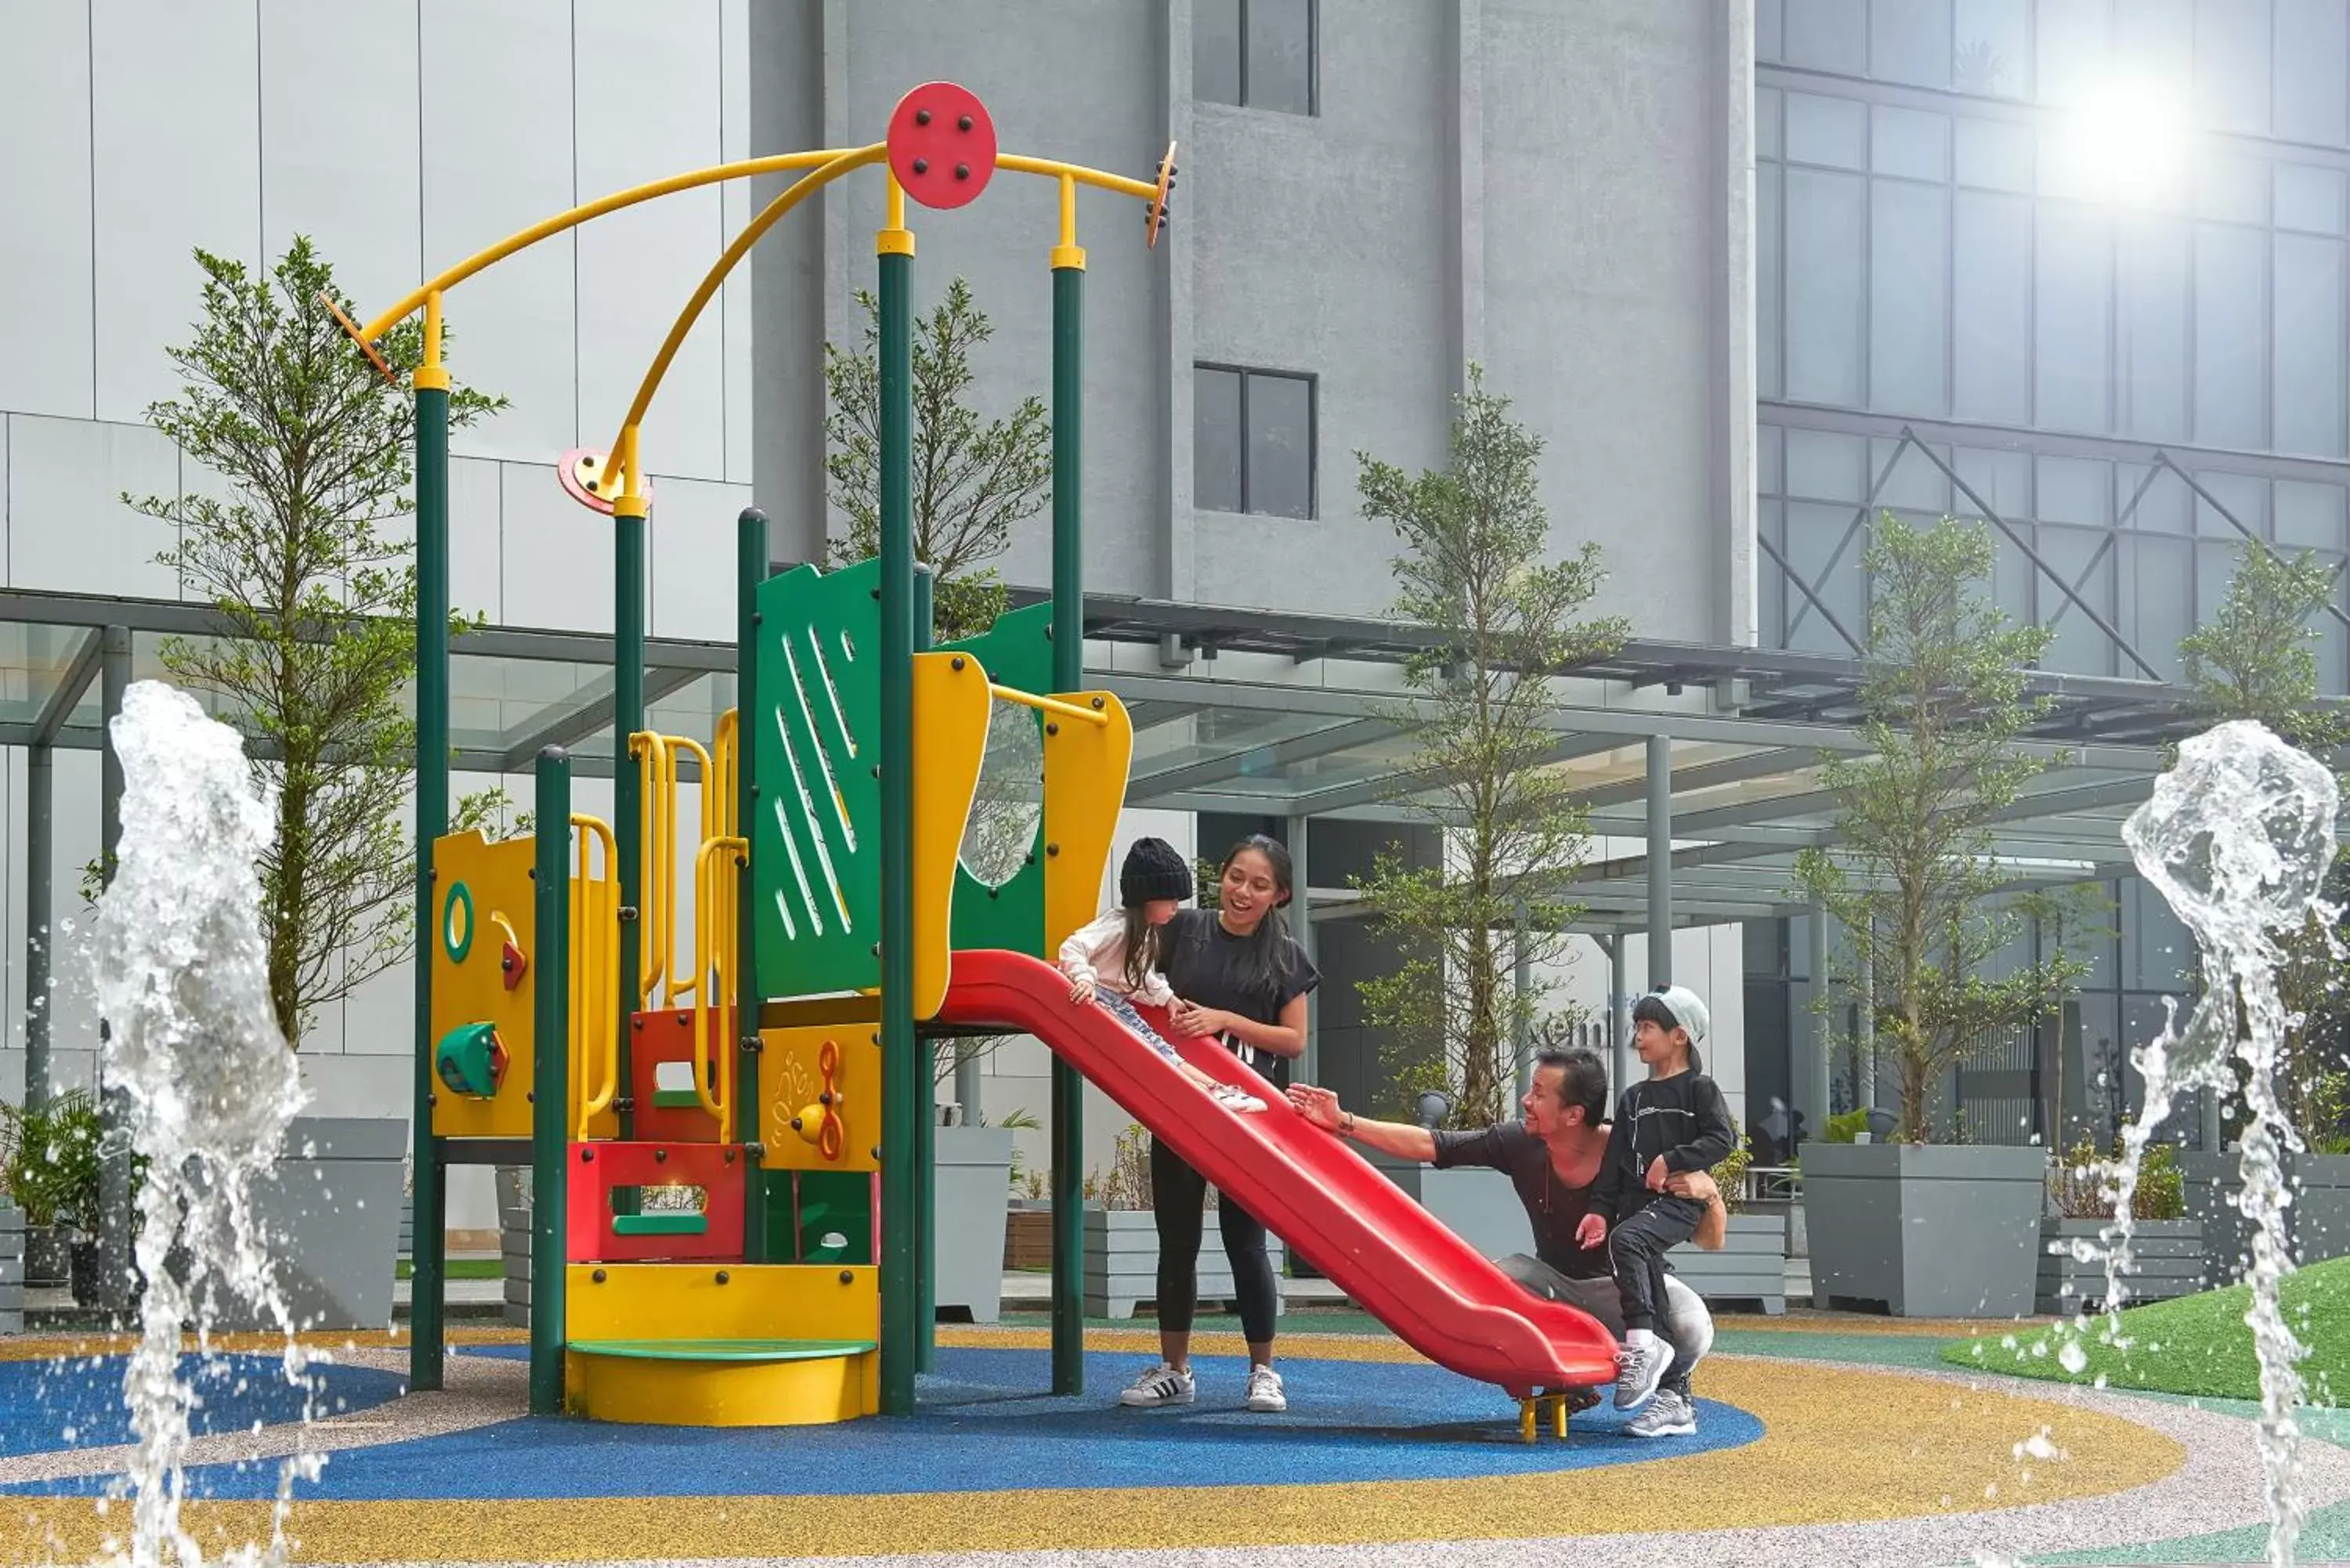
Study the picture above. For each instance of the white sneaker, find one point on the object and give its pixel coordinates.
(1162, 1384)
(1668, 1415)
(1264, 1395)
(1639, 1369)
(1237, 1100)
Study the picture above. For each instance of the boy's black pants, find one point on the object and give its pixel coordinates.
(1636, 1249)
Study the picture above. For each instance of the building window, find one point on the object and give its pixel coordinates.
(1259, 54)
(1252, 441)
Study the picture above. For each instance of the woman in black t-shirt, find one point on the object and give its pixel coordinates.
(1237, 974)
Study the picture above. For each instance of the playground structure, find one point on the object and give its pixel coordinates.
(778, 1069)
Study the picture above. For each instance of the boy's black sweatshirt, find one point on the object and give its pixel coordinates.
(1683, 1117)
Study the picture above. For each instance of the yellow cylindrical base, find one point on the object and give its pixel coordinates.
(673, 1393)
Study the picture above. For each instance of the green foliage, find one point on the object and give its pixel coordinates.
(1476, 568)
(2197, 1345)
(972, 481)
(1911, 875)
(1847, 1127)
(312, 453)
(1730, 1175)
(1126, 1184)
(2083, 1183)
(49, 1160)
(2324, 1125)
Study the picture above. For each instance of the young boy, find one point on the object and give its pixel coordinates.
(1676, 1121)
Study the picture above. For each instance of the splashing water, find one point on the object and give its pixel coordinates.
(2237, 839)
(209, 1084)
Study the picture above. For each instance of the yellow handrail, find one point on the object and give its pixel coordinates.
(724, 744)
(595, 949)
(716, 925)
(652, 752)
(680, 985)
(1046, 704)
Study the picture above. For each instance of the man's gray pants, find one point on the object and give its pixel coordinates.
(1685, 1321)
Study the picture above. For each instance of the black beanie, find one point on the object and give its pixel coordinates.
(1154, 870)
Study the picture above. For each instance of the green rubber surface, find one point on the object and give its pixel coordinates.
(722, 1349)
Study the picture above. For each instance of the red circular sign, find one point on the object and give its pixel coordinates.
(941, 144)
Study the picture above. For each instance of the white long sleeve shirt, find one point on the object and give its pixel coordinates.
(1097, 952)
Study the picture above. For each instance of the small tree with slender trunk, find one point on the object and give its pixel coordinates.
(1911, 873)
(1476, 567)
(319, 600)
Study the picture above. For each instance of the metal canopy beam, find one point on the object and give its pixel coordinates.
(1251, 761)
(573, 724)
(1390, 786)
(1755, 764)
(88, 655)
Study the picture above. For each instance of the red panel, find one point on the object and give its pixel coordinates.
(668, 1036)
(596, 1169)
(1391, 1256)
(941, 144)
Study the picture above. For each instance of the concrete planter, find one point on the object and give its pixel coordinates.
(12, 1268)
(2317, 1220)
(1476, 1204)
(1925, 1230)
(970, 1195)
(331, 1209)
(2165, 1255)
(1122, 1263)
(514, 1242)
(1751, 1267)
(48, 1256)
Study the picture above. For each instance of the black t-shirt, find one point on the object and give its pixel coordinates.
(1555, 1207)
(1208, 966)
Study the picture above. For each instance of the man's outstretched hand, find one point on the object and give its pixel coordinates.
(1319, 1107)
(1591, 1233)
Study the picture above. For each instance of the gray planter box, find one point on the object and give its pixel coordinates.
(514, 1242)
(1925, 1230)
(331, 1209)
(970, 1195)
(1751, 1267)
(2165, 1260)
(12, 1268)
(2317, 1220)
(1122, 1263)
(1474, 1203)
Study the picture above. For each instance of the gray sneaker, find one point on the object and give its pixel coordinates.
(1639, 1370)
(1162, 1384)
(1668, 1415)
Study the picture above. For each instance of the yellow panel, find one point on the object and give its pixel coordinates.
(758, 1301)
(791, 1077)
(496, 879)
(718, 1393)
(950, 718)
(1085, 786)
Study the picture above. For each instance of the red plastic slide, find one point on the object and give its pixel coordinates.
(1390, 1255)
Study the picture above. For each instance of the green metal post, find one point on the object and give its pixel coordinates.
(627, 804)
(926, 1115)
(428, 1252)
(750, 571)
(900, 1064)
(550, 1141)
(1069, 1137)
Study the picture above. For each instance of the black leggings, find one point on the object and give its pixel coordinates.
(1179, 1197)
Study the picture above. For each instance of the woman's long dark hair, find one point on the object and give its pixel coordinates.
(1141, 947)
(1265, 961)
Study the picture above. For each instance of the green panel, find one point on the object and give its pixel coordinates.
(816, 837)
(659, 1224)
(830, 1201)
(762, 1350)
(1016, 651)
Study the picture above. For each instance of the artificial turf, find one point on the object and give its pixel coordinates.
(2196, 1345)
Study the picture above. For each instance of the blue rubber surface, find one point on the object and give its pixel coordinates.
(983, 1428)
(77, 1403)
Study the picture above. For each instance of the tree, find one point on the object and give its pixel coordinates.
(315, 451)
(1912, 875)
(1475, 568)
(2256, 659)
(972, 481)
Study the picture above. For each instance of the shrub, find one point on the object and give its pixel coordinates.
(2084, 1185)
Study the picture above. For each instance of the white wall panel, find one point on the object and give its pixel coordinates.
(177, 159)
(498, 158)
(647, 106)
(557, 555)
(67, 529)
(476, 562)
(735, 139)
(44, 240)
(344, 176)
(692, 558)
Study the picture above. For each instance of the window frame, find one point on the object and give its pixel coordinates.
(1248, 373)
(1312, 67)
